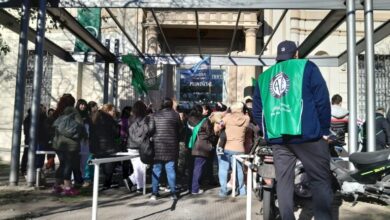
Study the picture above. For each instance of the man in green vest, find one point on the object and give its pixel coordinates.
(291, 105)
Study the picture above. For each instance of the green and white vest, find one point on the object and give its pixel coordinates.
(281, 96)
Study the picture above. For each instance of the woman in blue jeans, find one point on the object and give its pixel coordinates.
(236, 123)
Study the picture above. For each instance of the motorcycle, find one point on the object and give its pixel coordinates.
(265, 189)
(371, 179)
(266, 184)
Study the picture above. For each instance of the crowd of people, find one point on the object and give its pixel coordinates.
(339, 125)
(291, 110)
(188, 144)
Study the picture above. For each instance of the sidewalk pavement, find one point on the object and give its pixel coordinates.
(27, 203)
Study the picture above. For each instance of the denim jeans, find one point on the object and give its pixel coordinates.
(199, 163)
(88, 169)
(224, 162)
(171, 175)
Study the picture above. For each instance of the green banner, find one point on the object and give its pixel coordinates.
(138, 78)
(90, 19)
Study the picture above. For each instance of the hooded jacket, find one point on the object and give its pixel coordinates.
(62, 143)
(235, 128)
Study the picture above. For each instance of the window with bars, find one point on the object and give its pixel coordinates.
(382, 83)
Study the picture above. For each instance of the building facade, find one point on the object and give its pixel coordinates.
(216, 29)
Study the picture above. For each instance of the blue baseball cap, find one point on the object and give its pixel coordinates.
(286, 50)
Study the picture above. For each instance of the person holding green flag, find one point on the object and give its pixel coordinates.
(291, 105)
(200, 145)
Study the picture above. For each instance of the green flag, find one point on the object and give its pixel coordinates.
(138, 78)
(90, 19)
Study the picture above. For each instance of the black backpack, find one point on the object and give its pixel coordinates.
(67, 126)
(140, 137)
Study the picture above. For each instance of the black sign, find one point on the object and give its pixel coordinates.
(205, 85)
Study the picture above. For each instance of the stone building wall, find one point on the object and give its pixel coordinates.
(85, 80)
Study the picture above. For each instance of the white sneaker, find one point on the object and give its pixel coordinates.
(228, 185)
(153, 198)
(162, 188)
(201, 191)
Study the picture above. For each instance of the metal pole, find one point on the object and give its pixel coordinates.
(116, 72)
(19, 94)
(249, 194)
(198, 33)
(95, 191)
(106, 76)
(163, 35)
(125, 33)
(144, 189)
(369, 66)
(37, 177)
(352, 90)
(35, 108)
(234, 33)
(234, 173)
(273, 32)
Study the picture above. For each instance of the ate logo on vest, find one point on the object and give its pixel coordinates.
(279, 85)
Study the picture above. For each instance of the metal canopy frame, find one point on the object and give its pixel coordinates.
(70, 23)
(380, 33)
(328, 24)
(125, 32)
(13, 24)
(273, 32)
(331, 21)
(163, 35)
(234, 33)
(225, 60)
(217, 4)
(198, 33)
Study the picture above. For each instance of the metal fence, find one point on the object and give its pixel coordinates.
(382, 83)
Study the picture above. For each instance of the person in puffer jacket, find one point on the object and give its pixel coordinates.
(236, 124)
(166, 146)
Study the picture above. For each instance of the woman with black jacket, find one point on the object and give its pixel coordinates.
(202, 134)
(140, 131)
(104, 132)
